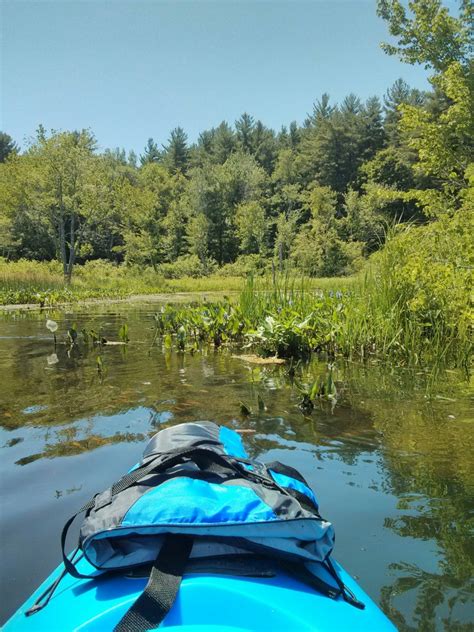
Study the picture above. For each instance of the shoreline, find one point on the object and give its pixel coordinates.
(161, 297)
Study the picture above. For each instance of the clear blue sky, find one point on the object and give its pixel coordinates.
(131, 70)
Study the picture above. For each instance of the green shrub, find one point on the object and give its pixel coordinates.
(187, 266)
(245, 265)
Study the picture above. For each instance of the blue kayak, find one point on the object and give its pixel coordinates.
(205, 602)
(224, 596)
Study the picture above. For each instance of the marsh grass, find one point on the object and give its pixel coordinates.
(42, 282)
(392, 312)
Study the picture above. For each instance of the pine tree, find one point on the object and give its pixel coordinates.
(398, 94)
(176, 152)
(224, 143)
(321, 111)
(7, 146)
(245, 126)
(151, 153)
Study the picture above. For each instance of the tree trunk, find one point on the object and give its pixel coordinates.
(72, 250)
(62, 246)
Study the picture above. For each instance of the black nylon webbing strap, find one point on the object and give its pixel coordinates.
(299, 570)
(347, 594)
(156, 600)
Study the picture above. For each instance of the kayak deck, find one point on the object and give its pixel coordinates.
(205, 602)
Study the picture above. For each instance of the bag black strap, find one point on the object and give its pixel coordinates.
(301, 572)
(346, 593)
(156, 600)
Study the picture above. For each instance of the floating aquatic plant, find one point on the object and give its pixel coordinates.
(52, 325)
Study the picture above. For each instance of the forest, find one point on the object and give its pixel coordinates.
(319, 195)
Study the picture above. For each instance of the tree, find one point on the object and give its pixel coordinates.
(198, 236)
(61, 187)
(214, 146)
(444, 143)
(318, 249)
(331, 151)
(442, 136)
(428, 34)
(398, 94)
(7, 146)
(245, 127)
(151, 153)
(251, 227)
(215, 192)
(286, 230)
(373, 136)
(176, 152)
(321, 111)
(224, 143)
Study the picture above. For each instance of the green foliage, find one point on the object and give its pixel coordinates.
(7, 146)
(42, 283)
(123, 333)
(187, 266)
(176, 153)
(151, 153)
(244, 266)
(284, 335)
(318, 248)
(251, 227)
(427, 34)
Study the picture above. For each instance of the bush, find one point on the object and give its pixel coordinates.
(419, 288)
(244, 265)
(187, 266)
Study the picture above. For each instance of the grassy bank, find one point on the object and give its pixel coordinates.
(411, 306)
(42, 283)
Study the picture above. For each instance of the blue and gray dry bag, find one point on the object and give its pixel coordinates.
(196, 500)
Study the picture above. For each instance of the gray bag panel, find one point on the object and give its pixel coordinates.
(182, 436)
(127, 548)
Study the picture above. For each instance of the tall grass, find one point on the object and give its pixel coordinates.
(412, 303)
(42, 282)
(412, 306)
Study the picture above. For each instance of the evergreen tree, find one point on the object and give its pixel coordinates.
(224, 143)
(321, 111)
(294, 134)
(373, 136)
(176, 152)
(7, 146)
(398, 94)
(245, 126)
(151, 153)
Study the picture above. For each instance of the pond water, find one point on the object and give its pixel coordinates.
(391, 462)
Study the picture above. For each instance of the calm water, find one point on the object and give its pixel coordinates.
(392, 466)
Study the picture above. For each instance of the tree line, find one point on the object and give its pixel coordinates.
(317, 195)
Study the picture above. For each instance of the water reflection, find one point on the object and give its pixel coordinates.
(391, 462)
